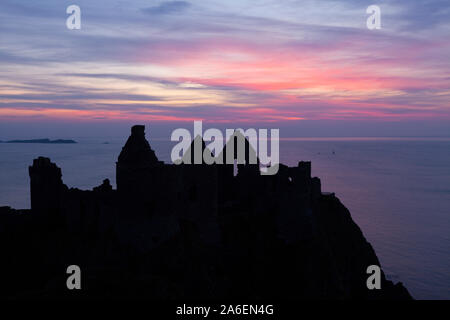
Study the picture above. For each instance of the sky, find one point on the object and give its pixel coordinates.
(310, 68)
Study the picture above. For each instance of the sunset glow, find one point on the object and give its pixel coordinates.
(258, 62)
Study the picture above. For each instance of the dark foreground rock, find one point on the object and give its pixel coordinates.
(186, 232)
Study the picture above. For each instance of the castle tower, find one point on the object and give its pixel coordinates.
(46, 188)
(135, 163)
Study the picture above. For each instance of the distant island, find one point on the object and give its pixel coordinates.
(58, 141)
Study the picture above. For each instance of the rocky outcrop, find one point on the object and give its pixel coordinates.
(184, 231)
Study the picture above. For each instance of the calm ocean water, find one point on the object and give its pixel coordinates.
(398, 192)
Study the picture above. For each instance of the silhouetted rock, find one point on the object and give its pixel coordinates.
(187, 231)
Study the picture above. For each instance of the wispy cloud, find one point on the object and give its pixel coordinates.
(167, 7)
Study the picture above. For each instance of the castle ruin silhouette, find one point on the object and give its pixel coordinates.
(188, 230)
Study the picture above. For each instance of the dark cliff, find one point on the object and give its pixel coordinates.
(186, 231)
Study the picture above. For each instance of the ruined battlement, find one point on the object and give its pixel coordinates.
(154, 195)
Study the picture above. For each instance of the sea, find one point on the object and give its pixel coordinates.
(397, 190)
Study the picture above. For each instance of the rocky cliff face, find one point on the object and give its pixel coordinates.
(185, 232)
